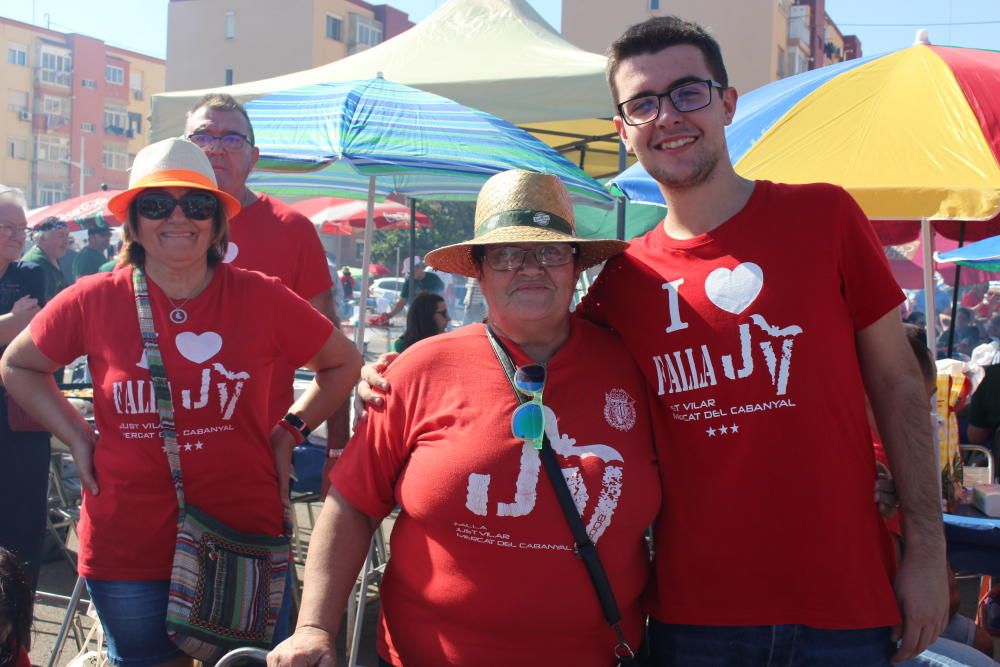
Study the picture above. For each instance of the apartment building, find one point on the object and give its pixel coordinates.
(212, 43)
(76, 114)
(761, 40)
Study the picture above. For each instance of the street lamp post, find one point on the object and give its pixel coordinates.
(79, 165)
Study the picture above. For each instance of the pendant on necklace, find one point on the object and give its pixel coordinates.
(178, 315)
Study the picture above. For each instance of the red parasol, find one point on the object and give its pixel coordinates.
(84, 212)
(329, 213)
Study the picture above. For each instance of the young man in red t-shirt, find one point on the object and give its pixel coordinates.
(758, 312)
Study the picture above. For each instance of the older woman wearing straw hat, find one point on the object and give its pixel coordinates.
(219, 331)
(483, 569)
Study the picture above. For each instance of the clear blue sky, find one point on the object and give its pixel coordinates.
(140, 25)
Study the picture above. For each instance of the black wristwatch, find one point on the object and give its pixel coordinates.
(296, 422)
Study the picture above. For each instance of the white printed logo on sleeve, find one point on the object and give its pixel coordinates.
(596, 505)
(758, 346)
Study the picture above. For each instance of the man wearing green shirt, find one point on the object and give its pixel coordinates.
(51, 238)
(94, 254)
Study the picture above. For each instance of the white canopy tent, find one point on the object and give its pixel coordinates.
(499, 56)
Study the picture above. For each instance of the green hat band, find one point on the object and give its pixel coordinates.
(525, 218)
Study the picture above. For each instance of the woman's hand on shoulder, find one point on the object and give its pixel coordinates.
(373, 386)
(308, 647)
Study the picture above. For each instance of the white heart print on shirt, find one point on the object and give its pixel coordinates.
(232, 251)
(733, 291)
(198, 347)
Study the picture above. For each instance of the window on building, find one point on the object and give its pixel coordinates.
(89, 83)
(88, 127)
(88, 171)
(52, 105)
(334, 25)
(56, 68)
(135, 83)
(229, 76)
(781, 72)
(115, 118)
(115, 157)
(369, 32)
(654, 4)
(230, 25)
(51, 148)
(134, 124)
(48, 193)
(114, 74)
(17, 54)
(17, 100)
(17, 148)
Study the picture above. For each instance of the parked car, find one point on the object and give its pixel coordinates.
(383, 293)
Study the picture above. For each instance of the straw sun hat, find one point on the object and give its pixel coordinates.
(171, 163)
(522, 207)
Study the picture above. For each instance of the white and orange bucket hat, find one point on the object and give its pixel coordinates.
(167, 164)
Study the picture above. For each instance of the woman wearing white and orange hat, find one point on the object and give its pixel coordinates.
(219, 331)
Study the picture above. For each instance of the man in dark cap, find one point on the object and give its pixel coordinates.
(94, 254)
(51, 237)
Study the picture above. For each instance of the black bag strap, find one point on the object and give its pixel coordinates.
(584, 546)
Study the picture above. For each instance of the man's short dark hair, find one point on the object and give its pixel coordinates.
(224, 102)
(658, 33)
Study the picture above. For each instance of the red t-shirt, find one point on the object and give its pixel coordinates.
(746, 336)
(483, 570)
(271, 237)
(219, 364)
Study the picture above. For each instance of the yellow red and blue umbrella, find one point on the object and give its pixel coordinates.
(912, 134)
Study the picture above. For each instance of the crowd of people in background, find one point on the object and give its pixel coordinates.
(975, 336)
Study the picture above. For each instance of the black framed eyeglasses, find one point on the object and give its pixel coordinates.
(231, 141)
(512, 258)
(159, 205)
(686, 97)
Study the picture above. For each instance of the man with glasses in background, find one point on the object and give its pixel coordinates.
(267, 235)
(761, 314)
(24, 455)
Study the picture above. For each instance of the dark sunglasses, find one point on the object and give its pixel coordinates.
(159, 205)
